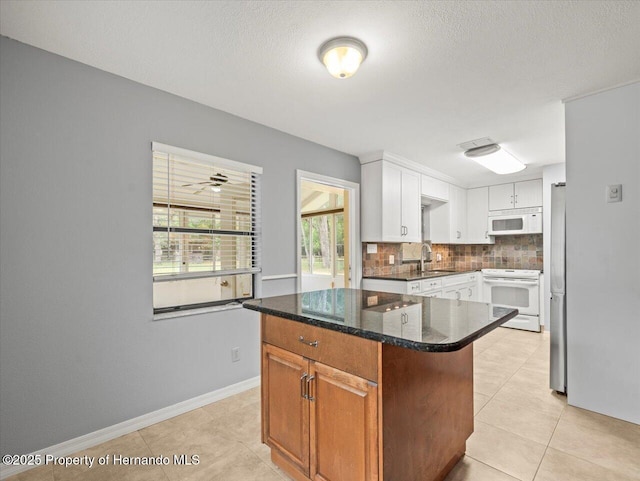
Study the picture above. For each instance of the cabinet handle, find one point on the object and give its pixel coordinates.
(470, 292)
(309, 396)
(486, 234)
(458, 234)
(458, 295)
(308, 343)
(303, 391)
(516, 199)
(512, 201)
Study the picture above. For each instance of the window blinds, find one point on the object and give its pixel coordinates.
(206, 215)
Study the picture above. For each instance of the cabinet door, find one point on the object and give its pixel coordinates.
(285, 412)
(440, 222)
(343, 422)
(411, 214)
(392, 322)
(477, 215)
(458, 213)
(469, 292)
(528, 193)
(392, 203)
(501, 197)
(412, 322)
(452, 294)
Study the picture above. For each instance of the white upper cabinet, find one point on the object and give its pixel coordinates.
(528, 193)
(458, 227)
(390, 203)
(411, 208)
(517, 195)
(477, 214)
(434, 188)
(448, 220)
(501, 197)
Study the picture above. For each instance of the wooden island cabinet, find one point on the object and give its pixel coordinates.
(369, 412)
(349, 396)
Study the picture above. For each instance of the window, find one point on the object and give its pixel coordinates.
(206, 229)
(323, 244)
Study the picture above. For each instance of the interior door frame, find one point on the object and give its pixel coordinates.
(352, 190)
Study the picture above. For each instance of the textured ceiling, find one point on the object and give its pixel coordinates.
(438, 73)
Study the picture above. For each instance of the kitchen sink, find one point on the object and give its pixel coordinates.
(438, 271)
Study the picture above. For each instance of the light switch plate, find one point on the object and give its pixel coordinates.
(392, 259)
(372, 248)
(614, 193)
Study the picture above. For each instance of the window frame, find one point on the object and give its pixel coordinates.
(254, 223)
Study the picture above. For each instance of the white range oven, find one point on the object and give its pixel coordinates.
(517, 289)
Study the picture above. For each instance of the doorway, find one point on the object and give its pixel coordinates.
(328, 223)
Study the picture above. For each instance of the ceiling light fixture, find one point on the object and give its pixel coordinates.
(495, 158)
(342, 56)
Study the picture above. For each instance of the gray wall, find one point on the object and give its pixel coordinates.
(78, 348)
(603, 255)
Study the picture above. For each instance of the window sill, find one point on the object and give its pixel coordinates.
(195, 312)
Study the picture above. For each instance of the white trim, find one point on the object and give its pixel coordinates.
(102, 435)
(210, 159)
(595, 92)
(409, 164)
(353, 190)
(194, 312)
(279, 276)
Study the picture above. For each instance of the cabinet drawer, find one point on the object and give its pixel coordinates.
(348, 353)
(431, 284)
(461, 279)
(414, 287)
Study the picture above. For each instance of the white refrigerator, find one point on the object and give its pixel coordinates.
(557, 278)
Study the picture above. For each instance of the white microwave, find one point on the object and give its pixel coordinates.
(515, 221)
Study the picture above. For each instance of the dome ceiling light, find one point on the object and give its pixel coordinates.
(342, 56)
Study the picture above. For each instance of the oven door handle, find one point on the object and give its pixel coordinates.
(511, 281)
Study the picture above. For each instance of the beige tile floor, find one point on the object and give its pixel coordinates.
(523, 431)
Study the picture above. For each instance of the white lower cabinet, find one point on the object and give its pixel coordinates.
(465, 287)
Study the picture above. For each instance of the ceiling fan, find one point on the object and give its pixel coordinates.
(214, 182)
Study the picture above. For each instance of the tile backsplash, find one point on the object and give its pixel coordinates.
(509, 252)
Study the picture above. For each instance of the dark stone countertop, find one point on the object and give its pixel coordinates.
(414, 322)
(416, 276)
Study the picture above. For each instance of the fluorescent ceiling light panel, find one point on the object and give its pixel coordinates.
(497, 159)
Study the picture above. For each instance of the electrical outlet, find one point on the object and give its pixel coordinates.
(235, 354)
(372, 248)
(392, 259)
(438, 257)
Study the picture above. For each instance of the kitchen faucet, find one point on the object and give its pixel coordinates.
(425, 255)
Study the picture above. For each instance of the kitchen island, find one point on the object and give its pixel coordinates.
(366, 385)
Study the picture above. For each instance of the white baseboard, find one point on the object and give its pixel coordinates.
(106, 434)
